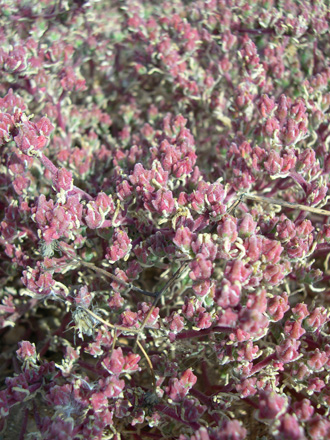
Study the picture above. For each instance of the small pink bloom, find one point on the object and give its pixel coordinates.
(274, 274)
(283, 106)
(317, 359)
(290, 428)
(306, 160)
(271, 250)
(228, 295)
(286, 229)
(201, 268)
(26, 351)
(164, 202)
(132, 362)
(44, 126)
(201, 288)
(319, 428)
(116, 362)
(120, 246)
(63, 180)
(266, 105)
(6, 126)
(300, 311)
(315, 385)
(112, 386)
(288, 350)
(303, 409)
(179, 388)
(129, 318)
(237, 271)
(83, 297)
(247, 226)
(293, 329)
(316, 319)
(176, 322)
(184, 237)
(204, 320)
(271, 126)
(247, 387)
(271, 405)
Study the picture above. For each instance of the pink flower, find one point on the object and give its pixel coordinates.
(274, 274)
(317, 318)
(176, 322)
(290, 429)
(27, 352)
(266, 105)
(237, 271)
(271, 250)
(28, 139)
(247, 226)
(300, 311)
(37, 281)
(306, 160)
(271, 405)
(178, 388)
(288, 350)
(163, 202)
(293, 329)
(286, 229)
(116, 362)
(204, 245)
(204, 320)
(271, 126)
(282, 108)
(247, 387)
(111, 386)
(253, 247)
(63, 180)
(228, 295)
(202, 288)
(132, 362)
(227, 229)
(44, 126)
(319, 428)
(6, 126)
(317, 359)
(120, 246)
(201, 268)
(303, 409)
(94, 217)
(83, 297)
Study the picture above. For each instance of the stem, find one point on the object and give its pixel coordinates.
(169, 283)
(107, 324)
(48, 164)
(262, 364)
(115, 278)
(300, 180)
(171, 413)
(286, 204)
(195, 334)
(24, 424)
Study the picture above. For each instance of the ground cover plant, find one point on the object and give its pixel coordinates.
(164, 219)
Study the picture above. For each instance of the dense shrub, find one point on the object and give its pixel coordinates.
(164, 251)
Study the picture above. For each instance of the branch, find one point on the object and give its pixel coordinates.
(283, 203)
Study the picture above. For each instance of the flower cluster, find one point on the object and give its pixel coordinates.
(164, 234)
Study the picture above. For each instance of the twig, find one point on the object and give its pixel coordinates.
(115, 278)
(167, 286)
(125, 329)
(149, 363)
(283, 203)
(117, 327)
